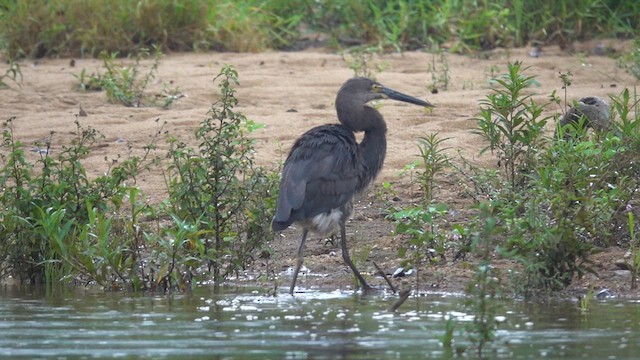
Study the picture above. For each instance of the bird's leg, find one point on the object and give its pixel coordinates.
(299, 261)
(347, 258)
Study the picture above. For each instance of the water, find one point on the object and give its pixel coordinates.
(244, 324)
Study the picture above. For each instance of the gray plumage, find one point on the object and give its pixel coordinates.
(327, 166)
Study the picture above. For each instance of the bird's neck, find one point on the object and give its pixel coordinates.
(373, 149)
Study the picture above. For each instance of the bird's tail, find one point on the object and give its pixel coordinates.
(279, 225)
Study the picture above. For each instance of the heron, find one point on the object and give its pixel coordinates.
(595, 110)
(326, 167)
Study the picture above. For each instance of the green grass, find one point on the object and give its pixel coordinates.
(60, 226)
(39, 28)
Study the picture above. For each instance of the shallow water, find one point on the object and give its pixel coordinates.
(243, 323)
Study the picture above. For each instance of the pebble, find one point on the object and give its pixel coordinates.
(622, 273)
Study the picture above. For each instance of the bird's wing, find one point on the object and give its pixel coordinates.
(320, 174)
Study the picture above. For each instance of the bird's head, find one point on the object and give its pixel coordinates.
(358, 92)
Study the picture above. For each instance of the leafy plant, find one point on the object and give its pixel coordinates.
(447, 337)
(92, 82)
(13, 73)
(54, 223)
(218, 189)
(585, 301)
(484, 289)
(440, 76)
(360, 60)
(424, 238)
(634, 264)
(566, 82)
(433, 161)
(571, 205)
(512, 124)
(388, 195)
(631, 60)
(126, 84)
(563, 197)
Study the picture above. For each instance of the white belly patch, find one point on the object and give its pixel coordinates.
(326, 223)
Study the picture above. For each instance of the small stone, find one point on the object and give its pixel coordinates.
(401, 272)
(398, 273)
(622, 273)
(535, 52)
(603, 294)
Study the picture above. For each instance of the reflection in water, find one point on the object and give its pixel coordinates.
(241, 323)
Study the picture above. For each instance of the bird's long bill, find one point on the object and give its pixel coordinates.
(395, 95)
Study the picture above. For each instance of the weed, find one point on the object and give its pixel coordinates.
(217, 187)
(180, 251)
(127, 85)
(360, 60)
(447, 338)
(563, 196)
(92, 82)
(123, 84)
(585, 301)
(440, 76)
(13, 73)
(433, 161)
(388, 195)
(59, 224)
(631, 60)
(634, 264)
(571, 203)
(54, 222)
(553, 225)
(425, 240)
(566, 82)
(484, 289)
(512, 123)
(626, 105)
(361, 252)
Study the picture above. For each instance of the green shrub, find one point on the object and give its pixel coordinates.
(58, 224)
(564, 196)
(126, 85)
(218, 189)
(425, 240)
(51, 209)
(512, 123)
(569, 208)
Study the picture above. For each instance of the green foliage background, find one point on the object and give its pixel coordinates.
(38, 28)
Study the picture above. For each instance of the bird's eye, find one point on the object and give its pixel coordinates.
(376, 88)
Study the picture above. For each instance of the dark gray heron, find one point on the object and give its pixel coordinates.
(326, 167)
